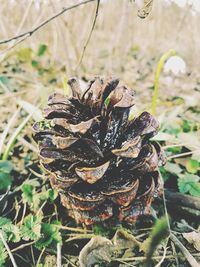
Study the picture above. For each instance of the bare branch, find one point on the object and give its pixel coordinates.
(8, 249)
(90, 34)
(191, 260)
(31, 32)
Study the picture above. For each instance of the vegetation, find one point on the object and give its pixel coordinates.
(34, 228)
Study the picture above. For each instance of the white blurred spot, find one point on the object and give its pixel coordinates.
(83, 85)
(139, 3)
(176, 65)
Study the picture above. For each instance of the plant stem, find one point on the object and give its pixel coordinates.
(182, 154)
(8, 249)
(65, 86)
(14, 137)
(40, 256)
(161, 62)
(184, 251)
(59, 257)
(7, 128)
(72, 229)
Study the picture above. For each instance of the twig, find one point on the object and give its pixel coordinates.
(191, 260)
(40, 256)
(23, 214)
(32, 255)
(175, 253)
(185, 252)
(27, 144)
(89, 36)
(141, 258)
(81, 236)
(164, 255)
(8, 249)
(182, 154)
(72, 229)
(31, 32)
(23, 246)
(59, 256)
(19, 29)
(183, 199)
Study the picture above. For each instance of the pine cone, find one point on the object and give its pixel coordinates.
(102, 163)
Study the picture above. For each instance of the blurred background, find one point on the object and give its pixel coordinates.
(121, 44)
(119, 34)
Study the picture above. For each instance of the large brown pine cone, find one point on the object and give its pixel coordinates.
(102, 163)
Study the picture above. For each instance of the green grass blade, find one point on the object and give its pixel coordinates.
(14, 136)
(6, 130)
(161, 62)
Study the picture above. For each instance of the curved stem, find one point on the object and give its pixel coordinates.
(161, 62)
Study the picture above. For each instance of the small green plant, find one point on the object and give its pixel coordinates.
(160, 65)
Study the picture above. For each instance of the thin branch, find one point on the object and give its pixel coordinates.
(164, 255)
(11, 45)
(8, 249)
(72, 229)
(40, 256)
(31, 32)
(90, 34)
(23, 246)
(59, 255)
(184, 251)
(182, 154)
(191, 260)
(183, 199)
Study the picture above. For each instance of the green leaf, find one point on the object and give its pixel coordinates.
(31, 229)
(7, 82)
(192, 166)
(41, 50)
(12, 232)
(28, 191)
(107, 101)
(195, 189)
(52, 194)
(189, 183)
(6, 166)
(50, 236)
(4, 221)
(5, 181)
(35, 63)
(3, 254)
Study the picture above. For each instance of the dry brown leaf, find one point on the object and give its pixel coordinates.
(97, 250)
(146, 8)
(193, 238)
(122, 239)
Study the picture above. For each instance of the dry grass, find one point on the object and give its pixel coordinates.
(118, 30)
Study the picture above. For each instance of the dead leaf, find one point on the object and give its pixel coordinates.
(193, 238)
(122, 239)
(145, 9)
(97, 250)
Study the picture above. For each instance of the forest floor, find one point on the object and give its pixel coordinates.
(34, 227)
